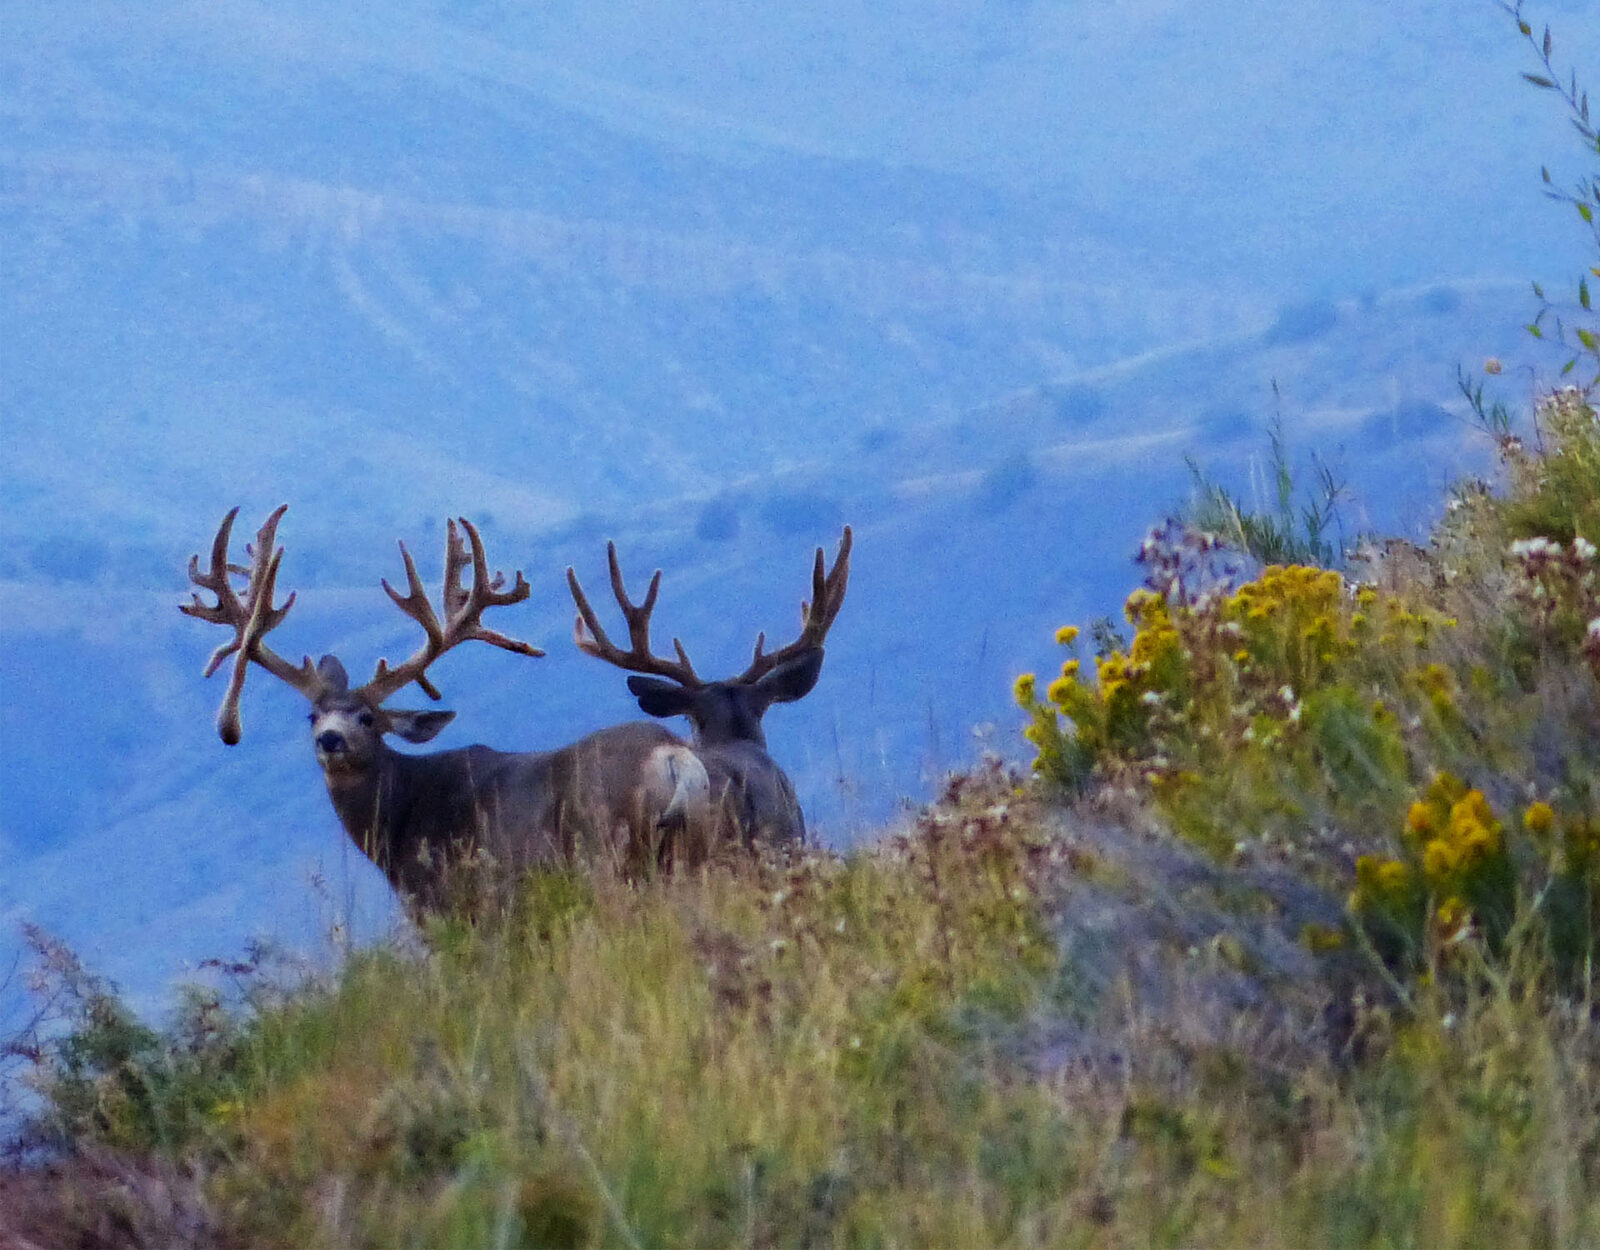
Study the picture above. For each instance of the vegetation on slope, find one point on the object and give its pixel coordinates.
(1290, 940)
(1360, 1011)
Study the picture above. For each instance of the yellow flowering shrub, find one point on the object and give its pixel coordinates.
(1423, 734)
(1453, 852)
(1275, 680)
(1460, 872)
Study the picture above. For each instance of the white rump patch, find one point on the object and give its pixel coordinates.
(676, 783)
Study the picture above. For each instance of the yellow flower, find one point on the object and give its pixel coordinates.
(1142, 602)
(1024, 689)
(1453, 914)
(1539, 819)
(1060, 689)
(1067, 635)
(1440, 859)
(1419, 819)
(1478, 842)
(1241, 656)
(1070, 668)
(1472, 811)
(1392, 876)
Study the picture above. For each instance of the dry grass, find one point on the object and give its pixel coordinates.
(851, 1051)
(1184, 1012)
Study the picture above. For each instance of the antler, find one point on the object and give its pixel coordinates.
(591, 638)
(463, 610)
(816, 617)
(251, 617)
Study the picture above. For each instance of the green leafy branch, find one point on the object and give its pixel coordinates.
(1582, 340)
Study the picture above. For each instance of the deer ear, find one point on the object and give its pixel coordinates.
(332, 672)
(792, 679)
(660, 698)
(418, 726)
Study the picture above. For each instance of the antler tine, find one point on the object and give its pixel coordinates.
(816, 617)
(463, 613)
(414, 603)
(486, 593)
(455, 560)
(252, 618)
(590, 636)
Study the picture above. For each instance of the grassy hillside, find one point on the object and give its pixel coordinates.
(1290, 940)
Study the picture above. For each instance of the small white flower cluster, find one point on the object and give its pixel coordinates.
(1531, 550)
(1563, 578)
(1536, 553)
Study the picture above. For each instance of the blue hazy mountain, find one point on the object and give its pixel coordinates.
(712, 281)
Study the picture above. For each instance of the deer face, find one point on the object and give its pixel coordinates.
(730, 711)
(347, 727)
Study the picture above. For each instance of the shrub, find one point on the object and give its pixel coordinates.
(1381, 728)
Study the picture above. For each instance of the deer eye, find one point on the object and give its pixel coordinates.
(366, 719)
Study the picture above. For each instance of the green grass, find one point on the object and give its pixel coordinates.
(1034, 1017)
(839, 1052)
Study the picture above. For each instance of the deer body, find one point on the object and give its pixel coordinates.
(610, 798)
(596, 801)
(750, 796)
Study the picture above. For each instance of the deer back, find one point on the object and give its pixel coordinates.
(608, 800)
(750, 794)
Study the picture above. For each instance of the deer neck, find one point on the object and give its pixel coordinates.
(371, 802)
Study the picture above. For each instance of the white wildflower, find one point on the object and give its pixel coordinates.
(1531, 549)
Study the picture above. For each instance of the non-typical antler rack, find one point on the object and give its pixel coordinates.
(251, 614)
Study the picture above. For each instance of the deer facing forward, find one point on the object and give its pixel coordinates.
(614, 797)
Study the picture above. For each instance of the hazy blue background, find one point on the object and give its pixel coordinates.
(711, 279)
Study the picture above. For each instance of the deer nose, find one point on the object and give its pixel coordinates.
(330, 743)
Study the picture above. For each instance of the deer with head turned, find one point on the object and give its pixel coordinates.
(604, 799)
(752, 800)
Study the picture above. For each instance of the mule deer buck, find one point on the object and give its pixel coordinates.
(752, 799)
(603, 798)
